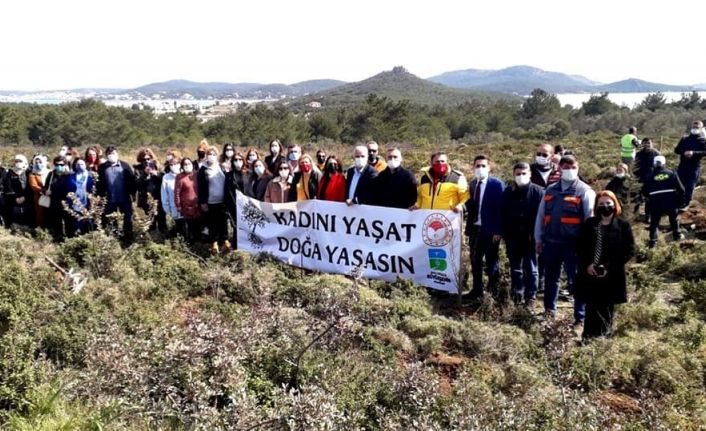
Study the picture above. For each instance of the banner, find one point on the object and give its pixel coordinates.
(358, 240)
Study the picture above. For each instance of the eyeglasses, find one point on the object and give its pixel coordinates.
(542, 155)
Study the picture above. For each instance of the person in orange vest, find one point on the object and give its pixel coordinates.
(565, 207)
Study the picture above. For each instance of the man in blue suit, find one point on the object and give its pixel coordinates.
(483, 225)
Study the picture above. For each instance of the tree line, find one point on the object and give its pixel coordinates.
(540, 116)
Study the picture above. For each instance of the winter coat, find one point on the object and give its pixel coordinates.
(396, 188)
(185, 196)
(278, 190)
(333, 188)
(618, 248)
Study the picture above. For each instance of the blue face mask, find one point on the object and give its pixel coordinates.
(59, 168)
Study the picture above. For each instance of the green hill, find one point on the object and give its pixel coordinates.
(399, 84)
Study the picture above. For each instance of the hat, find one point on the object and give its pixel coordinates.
(659, 160)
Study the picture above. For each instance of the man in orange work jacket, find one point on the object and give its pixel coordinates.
(566, 206)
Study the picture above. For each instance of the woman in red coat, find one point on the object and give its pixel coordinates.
(186, 198)
(332, 186)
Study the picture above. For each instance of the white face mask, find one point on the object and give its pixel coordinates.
(113, 157)
(188, 168)
(259, 170)
(238, 164)
(274, 149)
(481, 173)
(522, 180)
(252, 158)
(19, 165)
(229, 153)
(569, 174)
(394, 163)
(63, 151)
(696, 131)
(360, 161)
(175, 169)
(169, 157)
(542, 161)
(284, 173)
(620, 175)
(294, 156)
(211, 159)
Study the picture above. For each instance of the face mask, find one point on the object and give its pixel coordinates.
(59, 168)
(695, 131)
(542, 161)
(39, 166)
(113, 158)
(188, 168)
(238, 164)
(175, 169)
(259, 170)
(321, 159)
(201, 154)
(80, 167)
(252, 158)
(284, 173)
(605, 210)
(361, 161)
(331, 168)
(440, 169)
(169, 157)
(620, 175)
(569, 174)
(19, 165)
(92, 158)
(294, 156)
(522, 180)
(211, 159)
(305, 168)
(481, 173)
(62, 151)
(372, 158)
(394, 163)
(274, 149)
(229, 153)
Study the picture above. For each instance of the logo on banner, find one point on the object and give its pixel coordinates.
(437, 259)
(437, 231)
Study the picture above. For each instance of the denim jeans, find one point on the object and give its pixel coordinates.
(554, 254)
(523, 270)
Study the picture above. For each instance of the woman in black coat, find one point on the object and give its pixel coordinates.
(604, 246)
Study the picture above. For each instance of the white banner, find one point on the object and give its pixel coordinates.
(382, 243)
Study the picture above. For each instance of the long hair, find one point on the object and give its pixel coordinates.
(327, 178)
(611, 195)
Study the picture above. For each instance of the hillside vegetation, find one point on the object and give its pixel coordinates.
(163, 337)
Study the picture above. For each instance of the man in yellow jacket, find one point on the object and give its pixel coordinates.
(441, 187)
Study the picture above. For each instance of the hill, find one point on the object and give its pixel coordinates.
(399, 84)
(523, 79)
(633, 85)
(243, 90)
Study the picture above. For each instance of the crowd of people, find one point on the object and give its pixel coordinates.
(548, 217)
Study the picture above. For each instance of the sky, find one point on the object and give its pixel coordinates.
(128, 43)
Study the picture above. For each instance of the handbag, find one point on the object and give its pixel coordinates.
(44, 201)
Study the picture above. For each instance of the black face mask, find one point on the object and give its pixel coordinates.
(373, 158)
(321, 159)
(331, 168)
(201, 154)
(605, 211)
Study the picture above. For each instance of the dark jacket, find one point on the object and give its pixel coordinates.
(235, 181)
(518, 215)
(618, 248)
(365, 193)
(255, 187)
(536, 176)
(273, 163)
(13, 189)
(621, 188)
(490, 208)
(695, 143)
(147, 185)
(312, 187)
(59, 187)
(644, 164)
(128, 175)
(664, 191)
(396, 189)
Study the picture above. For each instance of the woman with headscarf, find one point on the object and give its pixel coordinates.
(332, 186)
(37, 178)
(305, 183)
(18, 193)
(81, 184)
